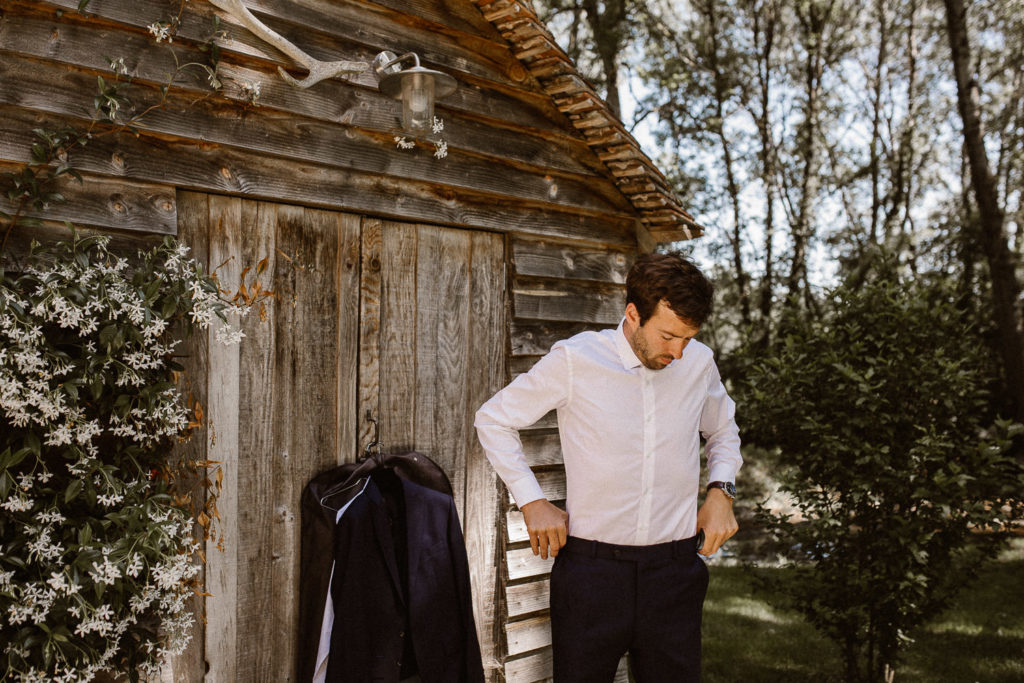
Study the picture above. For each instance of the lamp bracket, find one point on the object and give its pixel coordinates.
(318, 70)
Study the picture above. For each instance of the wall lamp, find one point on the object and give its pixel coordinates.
(415, 86)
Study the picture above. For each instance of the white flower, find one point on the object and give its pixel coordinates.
(442, 150)
(59, 583)
(50, 516)
(402, 143)
(106, 573)
(60, 436)
(17, 504)
(134, 567)
(437, 125)
(161, 31)
(118, 66)
(110, 500)
(251, 91)
(44, 547)
(228, 336)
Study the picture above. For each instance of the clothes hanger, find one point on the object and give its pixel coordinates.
(371, 460)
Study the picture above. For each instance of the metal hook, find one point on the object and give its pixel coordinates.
(375, 444)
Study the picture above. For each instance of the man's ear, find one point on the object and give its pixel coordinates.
(632, 315)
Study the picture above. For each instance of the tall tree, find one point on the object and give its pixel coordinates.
(993, 238)
(597, 32)
(763, 16)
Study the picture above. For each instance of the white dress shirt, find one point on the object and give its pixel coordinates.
(630, 436)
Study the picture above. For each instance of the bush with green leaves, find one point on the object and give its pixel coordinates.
(97, 554)
(885, 444)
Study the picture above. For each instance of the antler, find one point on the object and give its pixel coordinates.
(318, 70)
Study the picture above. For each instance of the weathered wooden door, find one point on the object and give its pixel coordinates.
(401, 322)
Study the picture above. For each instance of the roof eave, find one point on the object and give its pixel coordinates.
(633, 172)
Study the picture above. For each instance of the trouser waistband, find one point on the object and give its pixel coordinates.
(686, 547)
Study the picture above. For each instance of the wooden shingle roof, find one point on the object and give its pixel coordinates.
(632, 170)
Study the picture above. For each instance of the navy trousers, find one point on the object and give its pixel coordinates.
(607, 600)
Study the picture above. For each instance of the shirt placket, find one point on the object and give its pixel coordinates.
(647, 471)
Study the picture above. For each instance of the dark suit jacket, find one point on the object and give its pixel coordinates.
(384, 595)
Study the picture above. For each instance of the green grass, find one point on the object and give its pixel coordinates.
(980, 639)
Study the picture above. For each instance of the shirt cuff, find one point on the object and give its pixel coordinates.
(526, 490)
(722, 472)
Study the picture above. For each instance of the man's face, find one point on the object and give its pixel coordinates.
(661, 339)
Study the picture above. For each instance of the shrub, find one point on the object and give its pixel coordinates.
(96, 543)
(878, 412)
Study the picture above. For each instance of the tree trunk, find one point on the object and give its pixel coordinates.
(607, 22)
(732, 186)
(813, 20)
(876, 119)
(994, 242)
(764, 40)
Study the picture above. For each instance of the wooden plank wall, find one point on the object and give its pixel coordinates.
(280, 408)
(514, 166)
(513, 162)
(432, 349)
(559, 288)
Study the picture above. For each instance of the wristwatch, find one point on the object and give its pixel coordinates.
(728, 488)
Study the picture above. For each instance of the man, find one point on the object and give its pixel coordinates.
(632, 404)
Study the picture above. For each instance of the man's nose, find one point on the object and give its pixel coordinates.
(677, 348)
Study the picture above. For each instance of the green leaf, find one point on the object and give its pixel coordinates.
(72, 491)
(18, 456)
(33, 444)
(107, 335)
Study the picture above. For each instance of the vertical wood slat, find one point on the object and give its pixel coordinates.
(398, 336)
(193, 219)
(348, 228)
(369, 329)
(223, 377)
(442, 286)
(256, 485)
(311, 383)
(286, 316)
(486, 373)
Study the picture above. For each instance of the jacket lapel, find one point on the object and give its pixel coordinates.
(379, 514)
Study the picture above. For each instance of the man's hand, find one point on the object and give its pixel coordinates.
(717, 520)
(547, 525)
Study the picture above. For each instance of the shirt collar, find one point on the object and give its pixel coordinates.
(626, 354)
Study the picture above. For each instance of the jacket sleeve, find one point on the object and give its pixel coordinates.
(473, 671)
(528, 398)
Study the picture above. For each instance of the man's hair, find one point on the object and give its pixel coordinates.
(673, 278)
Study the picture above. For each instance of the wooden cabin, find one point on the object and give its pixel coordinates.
(410, 287)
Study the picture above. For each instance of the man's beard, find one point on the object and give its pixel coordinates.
(643, 352)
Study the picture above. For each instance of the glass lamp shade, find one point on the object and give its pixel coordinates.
(416, 87)
(417, 102)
